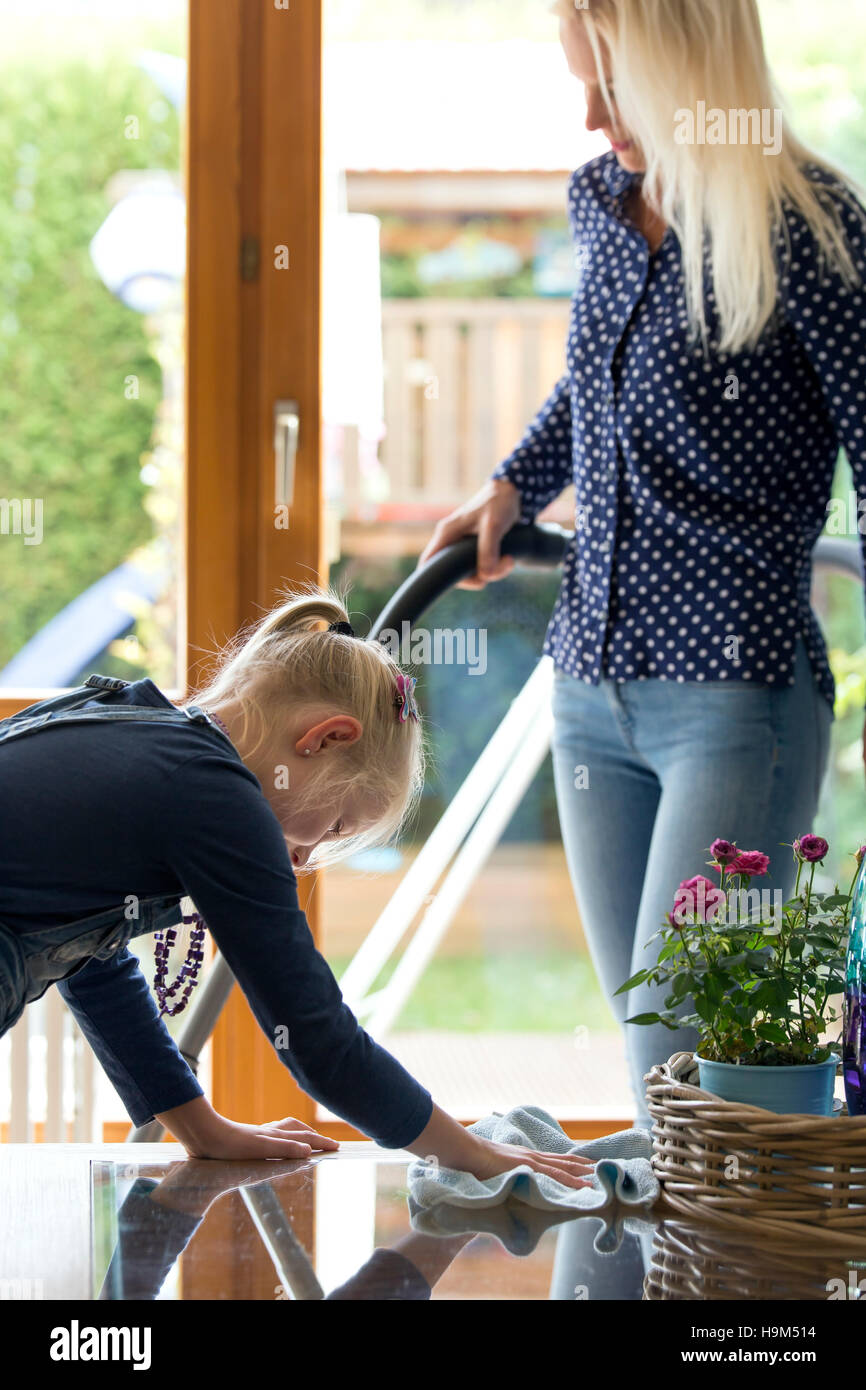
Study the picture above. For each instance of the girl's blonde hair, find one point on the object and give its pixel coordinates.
(666, 56)
(288, 663)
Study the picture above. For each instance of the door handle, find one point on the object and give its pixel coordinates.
(286, 431)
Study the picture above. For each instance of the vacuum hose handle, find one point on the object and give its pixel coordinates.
(533, 547)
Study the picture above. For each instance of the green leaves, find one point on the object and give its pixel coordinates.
(772, 1032)
(637, 979)
(673, 948)
(684, 983)
(833, 901)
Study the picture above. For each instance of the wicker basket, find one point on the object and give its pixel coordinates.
(698, 1260)
(802, 1177)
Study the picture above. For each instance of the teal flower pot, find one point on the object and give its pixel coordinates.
(805, 1090)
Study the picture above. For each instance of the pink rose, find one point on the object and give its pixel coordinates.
(723, 851)
(696, 897)
(811, 848)
(751, 862)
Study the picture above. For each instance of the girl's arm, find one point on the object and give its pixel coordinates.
(117, 1014)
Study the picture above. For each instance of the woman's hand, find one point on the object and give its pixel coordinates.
(489, 515)
(204, 1133)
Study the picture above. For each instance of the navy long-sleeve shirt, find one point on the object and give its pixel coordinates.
(702, 482)
(96, 814)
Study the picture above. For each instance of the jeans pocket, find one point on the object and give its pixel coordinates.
(103, 943)
(102, 935)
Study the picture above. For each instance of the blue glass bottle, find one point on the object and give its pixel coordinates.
(854, 1018)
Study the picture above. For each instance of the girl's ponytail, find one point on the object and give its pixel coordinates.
(297, 614)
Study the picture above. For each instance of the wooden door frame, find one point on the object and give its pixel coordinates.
(253, 336)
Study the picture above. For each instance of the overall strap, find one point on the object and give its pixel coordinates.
(68, 709)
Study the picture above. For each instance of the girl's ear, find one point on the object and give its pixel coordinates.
(343, 728)
(339, 728)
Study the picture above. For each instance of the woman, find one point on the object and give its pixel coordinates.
(716, 362)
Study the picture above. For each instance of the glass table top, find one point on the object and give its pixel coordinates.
(344, 1227)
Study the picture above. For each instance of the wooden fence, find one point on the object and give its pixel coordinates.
(463, 379)
(49, 1079)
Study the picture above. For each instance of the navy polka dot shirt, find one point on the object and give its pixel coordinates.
(702, 481)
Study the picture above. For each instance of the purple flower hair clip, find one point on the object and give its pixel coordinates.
(405, 698)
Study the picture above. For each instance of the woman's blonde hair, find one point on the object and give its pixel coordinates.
(287, 662)
(667, 56)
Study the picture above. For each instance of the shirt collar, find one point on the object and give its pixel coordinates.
(616, 177)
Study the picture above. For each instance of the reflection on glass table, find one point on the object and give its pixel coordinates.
(344, 1227)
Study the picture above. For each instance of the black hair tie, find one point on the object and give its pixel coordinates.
(345, 628)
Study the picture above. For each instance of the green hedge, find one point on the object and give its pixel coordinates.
(68, 434)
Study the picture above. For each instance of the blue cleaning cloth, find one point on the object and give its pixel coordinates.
(512, 1205)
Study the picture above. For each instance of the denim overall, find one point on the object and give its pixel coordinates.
(33, 958)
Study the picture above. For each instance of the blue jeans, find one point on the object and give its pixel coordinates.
(648, 774)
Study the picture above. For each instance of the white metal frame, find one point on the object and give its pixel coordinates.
(468, 832)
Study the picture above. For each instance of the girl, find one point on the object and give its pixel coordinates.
(716, 363)
(116, 804)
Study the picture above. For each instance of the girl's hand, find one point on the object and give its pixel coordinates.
(489, 515)
(569, 1169)
(204, 1133)
(443, 1140)
(279, 1139)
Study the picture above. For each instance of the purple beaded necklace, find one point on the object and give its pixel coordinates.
(188, 971)
(188, 974)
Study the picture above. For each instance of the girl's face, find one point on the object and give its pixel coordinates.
(306, 829)
(581, 63)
